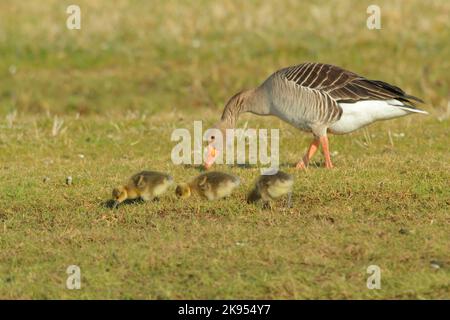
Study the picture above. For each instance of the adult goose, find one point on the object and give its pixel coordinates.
(318, 98)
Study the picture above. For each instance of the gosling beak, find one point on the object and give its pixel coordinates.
(210, 156)
(115, 204)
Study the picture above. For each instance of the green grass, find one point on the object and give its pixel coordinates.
(136, 71)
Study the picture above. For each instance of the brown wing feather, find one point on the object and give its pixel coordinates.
(343, 85)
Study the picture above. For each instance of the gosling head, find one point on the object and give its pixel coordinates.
(253, 196)
(183, 191)
(119, 195)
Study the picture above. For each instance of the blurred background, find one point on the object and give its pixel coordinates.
(98, 104)
(152, 56)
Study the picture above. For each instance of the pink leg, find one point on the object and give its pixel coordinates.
(302, 164)
(326, 151)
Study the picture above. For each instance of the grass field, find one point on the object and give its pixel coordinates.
(137, 70)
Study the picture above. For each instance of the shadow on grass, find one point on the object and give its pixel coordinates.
(312, 164)
(199, 168)
(109, 204)
(218, 167)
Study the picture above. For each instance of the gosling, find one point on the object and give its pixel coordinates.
(271, 187)
(210, 185)
(146, 185)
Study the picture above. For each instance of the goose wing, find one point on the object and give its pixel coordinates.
(342, 85)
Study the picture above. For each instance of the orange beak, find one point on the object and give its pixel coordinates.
(211, 156)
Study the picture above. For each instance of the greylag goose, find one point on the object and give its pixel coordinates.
(146, 185)
(210, 185)
(318, 98)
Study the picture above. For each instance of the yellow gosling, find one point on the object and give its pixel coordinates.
(271, 187)
(146, 185)
(210, 185)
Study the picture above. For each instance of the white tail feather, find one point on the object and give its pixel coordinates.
(414, 110)
(362, 113)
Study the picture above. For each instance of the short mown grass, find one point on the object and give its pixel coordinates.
(138, 70)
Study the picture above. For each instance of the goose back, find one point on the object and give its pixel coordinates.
(309, 95)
